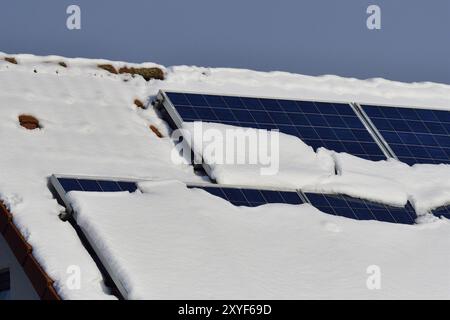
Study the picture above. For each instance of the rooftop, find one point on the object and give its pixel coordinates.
(90, 125)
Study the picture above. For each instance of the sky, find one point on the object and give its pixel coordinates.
(313, 37)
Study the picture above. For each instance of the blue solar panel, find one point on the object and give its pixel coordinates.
(442, 212)
(89, 185)
(237, 196)
(334, 126)
(127, 186)
(414, 135)
(252, 197)
(109, 186)
(73, 184)
(359, 209)
(340, 205)
(70, 184)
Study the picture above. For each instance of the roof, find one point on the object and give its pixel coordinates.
(90, 125)
(23, 251)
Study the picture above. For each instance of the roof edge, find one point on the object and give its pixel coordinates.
(23, 252)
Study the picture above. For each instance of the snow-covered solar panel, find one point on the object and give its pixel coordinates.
(239, 196)
(252, 197)
(335, 126)
(442, 212)
(345, 206)
(65, 184)
(414, 135)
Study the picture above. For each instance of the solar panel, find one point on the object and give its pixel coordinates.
(236, 195)
(65, 184)
(340, 205)
(345, 206)
(442, 212)
(414, 135)
(93, 185)
(334, 126)
(252, 197)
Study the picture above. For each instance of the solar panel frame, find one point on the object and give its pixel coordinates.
(362, 209)
(103, 184)
(403, 150)
(167, 106)
(375, 133)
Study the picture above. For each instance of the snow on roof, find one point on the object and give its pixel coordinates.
(90, 126)
(182, 249)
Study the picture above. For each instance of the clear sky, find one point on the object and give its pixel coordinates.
(304, 36)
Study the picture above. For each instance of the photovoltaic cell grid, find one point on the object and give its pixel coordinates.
(340, 205)
(237, 196)
(414, 135)
(72, 184)
(442, 212)
(253, 197)
(358, 209)
(331, 125)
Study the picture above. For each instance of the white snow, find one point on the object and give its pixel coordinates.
(293, 164)
(296, 86)
(91, 127)
(202, 247)
(426, 186)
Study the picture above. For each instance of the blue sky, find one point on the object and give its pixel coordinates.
(304, 36)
